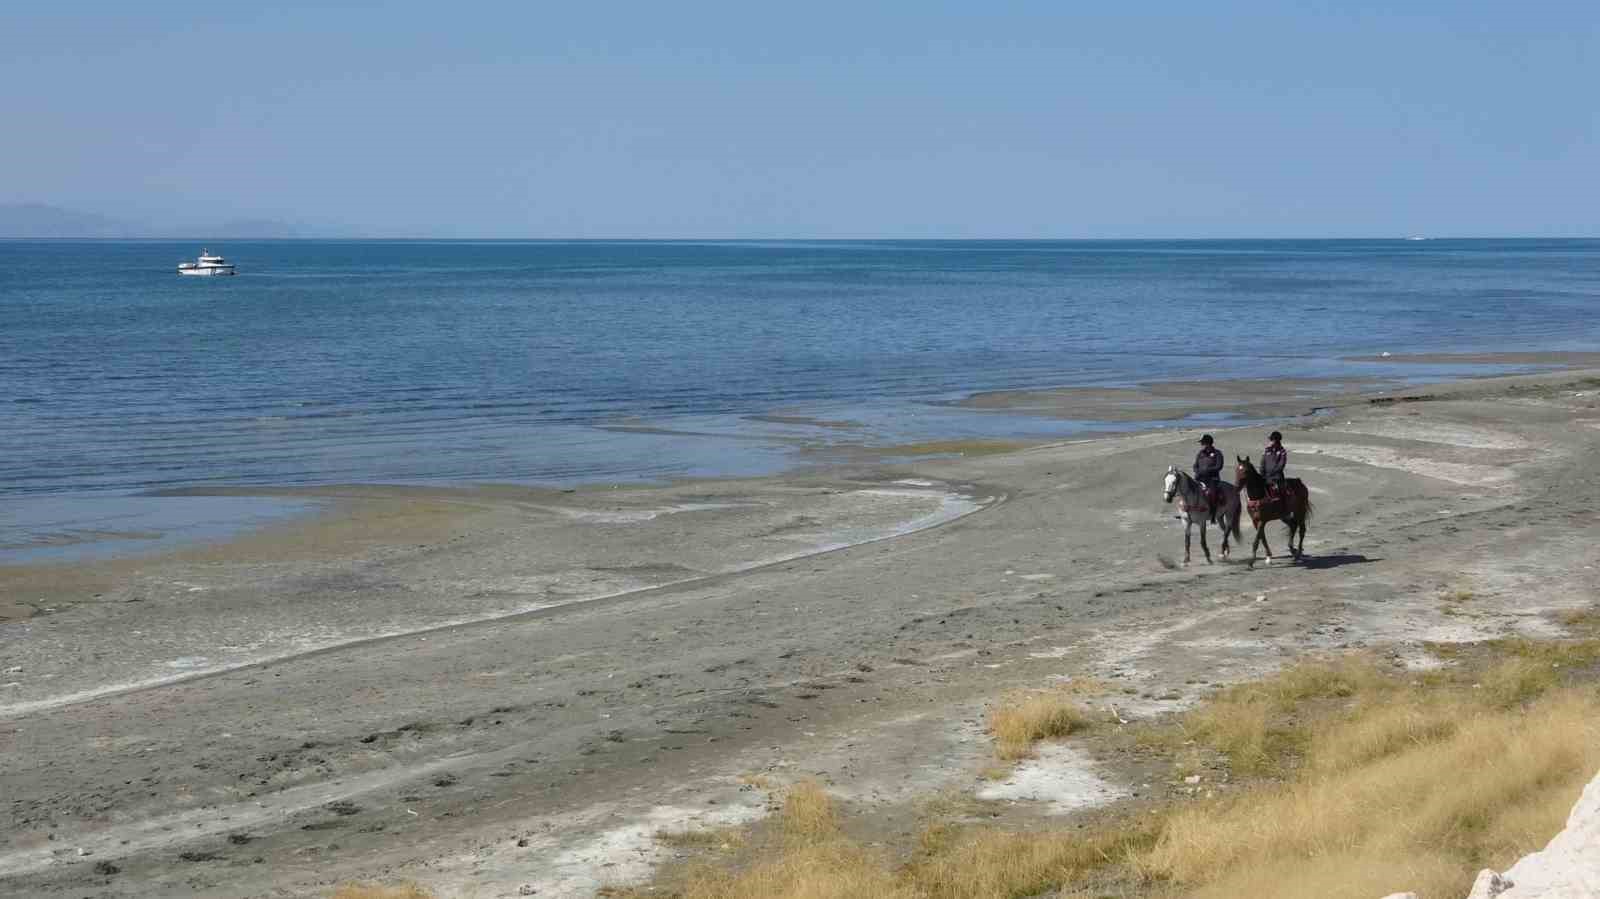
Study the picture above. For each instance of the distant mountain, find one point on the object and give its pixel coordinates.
(39, 220)
(250, 228)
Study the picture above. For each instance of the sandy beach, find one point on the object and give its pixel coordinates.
(496, 690)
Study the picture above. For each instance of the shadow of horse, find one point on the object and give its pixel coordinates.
(1336, 560)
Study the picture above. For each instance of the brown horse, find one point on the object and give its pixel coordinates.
(1292, 506)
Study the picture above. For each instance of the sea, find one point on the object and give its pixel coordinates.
(581, 362)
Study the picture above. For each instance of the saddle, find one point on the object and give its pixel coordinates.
(1276, 499)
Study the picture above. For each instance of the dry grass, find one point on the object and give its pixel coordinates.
(1414, 797)
(1557, 653)
(808, 814)
(1580, 619)
(834, 869)
(952, 862)
(986, 862)
(1256, 726)
(813, 860)
(1350, 780)
(1518, 680)
(375, 891)
(724, 838)
(1023, 719)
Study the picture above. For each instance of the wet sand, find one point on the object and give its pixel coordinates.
(491, 688)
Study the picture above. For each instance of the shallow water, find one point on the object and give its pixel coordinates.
(55, 528)
(350, 361)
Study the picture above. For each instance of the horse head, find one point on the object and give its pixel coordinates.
(1243, 471)
(1171, 484)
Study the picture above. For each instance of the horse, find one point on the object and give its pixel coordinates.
(1196, 509)
(1292, 506)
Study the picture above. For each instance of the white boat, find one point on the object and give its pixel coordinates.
(207, 265)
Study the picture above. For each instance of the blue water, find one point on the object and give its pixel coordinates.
(352, 361)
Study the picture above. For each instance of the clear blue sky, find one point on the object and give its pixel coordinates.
(817, 119)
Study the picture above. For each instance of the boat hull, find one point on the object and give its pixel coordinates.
(216, 272)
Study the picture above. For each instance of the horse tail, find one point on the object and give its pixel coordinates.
(1236, 517)
(1305, 504)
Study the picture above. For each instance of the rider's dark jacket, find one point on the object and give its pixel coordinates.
(1208, 464)
(1273, 461)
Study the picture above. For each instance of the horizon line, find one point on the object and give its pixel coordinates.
(164, 238)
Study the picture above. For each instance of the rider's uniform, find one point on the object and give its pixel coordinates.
(1208, 465)
(1273, 461)
(1208, 471)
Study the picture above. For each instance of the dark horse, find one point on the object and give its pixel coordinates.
(1292, 506)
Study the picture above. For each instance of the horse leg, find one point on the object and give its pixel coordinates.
(1188, 523)
(1227, 524)
(1203, 547)
(1261, 534)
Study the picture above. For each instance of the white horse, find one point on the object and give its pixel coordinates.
(1197, 510)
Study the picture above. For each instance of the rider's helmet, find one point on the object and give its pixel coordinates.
(1206, 439)
(1274, 437)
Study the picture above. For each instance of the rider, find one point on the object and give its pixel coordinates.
(1273, 460)
(1208, 471)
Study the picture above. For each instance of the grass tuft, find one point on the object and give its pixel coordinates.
(1023, 719)
(725, 838)
(1519, 680)
(1582, 620)
(989, 862)
(808, 815)
(835, 869)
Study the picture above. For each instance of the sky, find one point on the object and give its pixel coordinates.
(823, 120)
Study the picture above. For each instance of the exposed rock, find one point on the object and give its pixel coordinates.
(1488, 885)
(1569, 866)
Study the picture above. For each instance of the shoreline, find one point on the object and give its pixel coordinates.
(862, 661)
(1089, 412)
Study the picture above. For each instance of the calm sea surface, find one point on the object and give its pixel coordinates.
(555, 362)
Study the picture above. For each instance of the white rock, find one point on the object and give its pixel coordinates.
(1568, 867)
(1488, 885)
